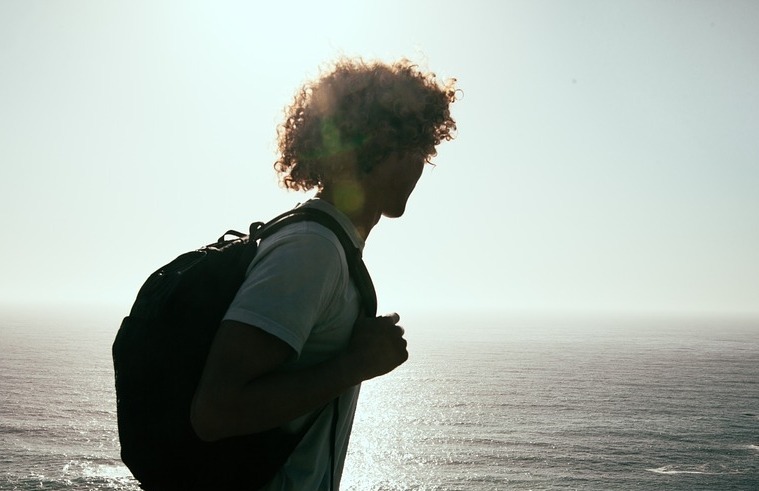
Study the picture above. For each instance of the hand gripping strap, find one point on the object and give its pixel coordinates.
(356, 265)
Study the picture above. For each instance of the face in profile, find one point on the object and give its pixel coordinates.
(393, 180)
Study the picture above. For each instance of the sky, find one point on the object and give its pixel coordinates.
(606, 159)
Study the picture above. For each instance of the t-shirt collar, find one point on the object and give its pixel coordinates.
(341, 218)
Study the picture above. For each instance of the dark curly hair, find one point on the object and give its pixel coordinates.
(361, 113)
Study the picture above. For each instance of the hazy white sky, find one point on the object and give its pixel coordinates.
(607, 157)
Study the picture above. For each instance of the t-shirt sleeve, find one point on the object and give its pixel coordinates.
(289, 287)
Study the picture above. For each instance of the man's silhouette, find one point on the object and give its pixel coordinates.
(294, 339)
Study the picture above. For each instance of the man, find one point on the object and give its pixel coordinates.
(294, 339)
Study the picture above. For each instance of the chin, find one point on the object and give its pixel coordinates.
(396, 209)
(393, 213)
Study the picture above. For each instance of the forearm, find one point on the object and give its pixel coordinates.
(272, 399)
(244, 391)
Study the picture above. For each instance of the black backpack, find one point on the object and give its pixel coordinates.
(159, 354)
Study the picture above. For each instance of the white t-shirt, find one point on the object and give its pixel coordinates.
(298, 288)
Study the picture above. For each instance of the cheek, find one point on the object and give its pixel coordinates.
(417, 175)
(412, 172)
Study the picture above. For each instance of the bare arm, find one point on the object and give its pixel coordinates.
(239, 392)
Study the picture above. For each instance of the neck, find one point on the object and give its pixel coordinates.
(349, 198)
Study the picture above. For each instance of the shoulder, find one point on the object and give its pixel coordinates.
(292, 283)
(303, 242)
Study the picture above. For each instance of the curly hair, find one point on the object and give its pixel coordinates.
(361, 113)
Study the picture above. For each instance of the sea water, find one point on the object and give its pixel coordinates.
(482, 404)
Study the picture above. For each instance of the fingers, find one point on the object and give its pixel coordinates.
(389, 322)
(379, 345)
(387, 319)
(394, 318)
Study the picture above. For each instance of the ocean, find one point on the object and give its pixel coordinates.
(499, 403)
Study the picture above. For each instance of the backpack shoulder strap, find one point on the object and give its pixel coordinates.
(356, 266)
